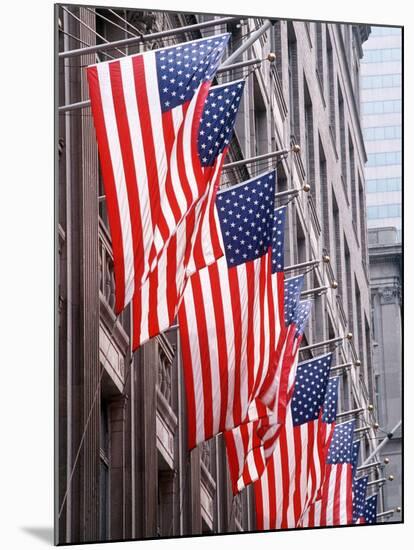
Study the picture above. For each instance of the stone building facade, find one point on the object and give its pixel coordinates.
(123, 467)
(385, 258)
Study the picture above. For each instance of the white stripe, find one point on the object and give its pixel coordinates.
(343, 486)
(244, 390)
(229, 335)
(292, 467)
(145, 310)
(119, 176)
(154, 104)
(331, 496)
(215, 406)
(188, 140)
(161, 306)
(195, 362)
(135, 131)
(281, 496)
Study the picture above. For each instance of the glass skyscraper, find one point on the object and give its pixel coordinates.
(381, 121)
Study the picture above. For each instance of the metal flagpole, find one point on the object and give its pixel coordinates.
(145, 37)
(323, 343)
(351, 411)
(241, 162)
(267, 24)
(85, 104)
(383, 443)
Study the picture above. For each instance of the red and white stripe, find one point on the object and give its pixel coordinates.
(151, 170)
(228, 329)
(197, 242)
(250, 447)
(281, 493)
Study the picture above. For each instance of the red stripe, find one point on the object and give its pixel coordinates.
(297, 497)
(284, 454)
(237, 326)
(220, 325)
(337, 503)
(110, 188)
(129, 169)
(265, 284)
(348, 493)
(258, 497)
(171, 275)
(205, 359)
(188, 376)
(285, 372)
(325, 494)
(232, 459)
(244, 431)
(311, 468)
(153, 324)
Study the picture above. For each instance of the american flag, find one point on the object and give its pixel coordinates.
(323, 434)
(146, 109)
(335, 504)
(227, 315)
(369, 514)
(197, 241)
(282, 491)
(359, 488)
(250, 445)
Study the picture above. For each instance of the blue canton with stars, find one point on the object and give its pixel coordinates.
(331, 401)
(359, 488)
(217, 121)
(370, 512)
(278, 239)
(246, 218)
(340, 449)
(355, 455)
(293, 289)
(310, 387)
(181, 69)
(301, 316)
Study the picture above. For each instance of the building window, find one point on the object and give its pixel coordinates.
(342, 138)
(354, 192)
(382, 132)
(349, 286)
(319, 54)
(381, 107)
(385, 31)
(325, 203)
(293, 83)
(104, 471)
(260, 141)
(362, 223)
(382, 55)
(381, 81)
(331, 86)
(338, 250)
(383, 185)
(309, 140)
(384, 211)
(384, 159)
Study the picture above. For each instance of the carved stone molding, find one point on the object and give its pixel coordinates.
(390, 295)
